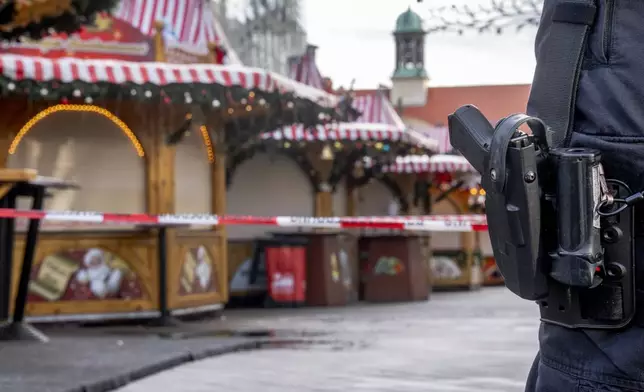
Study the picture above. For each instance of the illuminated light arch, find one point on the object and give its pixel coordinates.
(77, 108)
(208, 143)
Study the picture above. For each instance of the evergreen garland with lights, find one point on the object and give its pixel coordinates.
(236, 105)
(37, 19)
(346, 154)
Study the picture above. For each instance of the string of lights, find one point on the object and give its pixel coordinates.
(76, 108)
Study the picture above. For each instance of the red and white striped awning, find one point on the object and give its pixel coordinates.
(305, 70)
(439, 133)
(352, 132)
(187, 23)
(379, 120)
(435, 164)
(376, 108)
(66, 70)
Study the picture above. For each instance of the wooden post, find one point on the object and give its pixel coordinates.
(10, 126)
(166, 158)
(352, 200)
(219, 202)
(323, 204)
(160, 158)
(159, 43)
(160, 162)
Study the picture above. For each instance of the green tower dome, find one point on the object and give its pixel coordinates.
(409, 22)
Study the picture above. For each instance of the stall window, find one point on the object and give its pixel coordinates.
(94, 152)
(445, 240)
(268, 185)
(374, 199)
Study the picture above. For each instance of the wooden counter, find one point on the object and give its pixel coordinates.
(102, 275)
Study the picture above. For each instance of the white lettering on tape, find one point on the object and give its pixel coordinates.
(73, 216)
(192, 219)
(307, 221)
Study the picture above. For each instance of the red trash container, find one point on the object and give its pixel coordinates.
(285, 261)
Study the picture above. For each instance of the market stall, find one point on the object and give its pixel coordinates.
(139, 133)
(452, 188)
(325, 155)
(311, 171)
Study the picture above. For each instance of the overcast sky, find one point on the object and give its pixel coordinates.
(355, 41)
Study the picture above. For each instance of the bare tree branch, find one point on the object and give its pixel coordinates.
(498, 16)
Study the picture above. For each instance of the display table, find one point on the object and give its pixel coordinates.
(393, 268)
(99, 273)
(16, 183)
(331, 267)
(102, 275)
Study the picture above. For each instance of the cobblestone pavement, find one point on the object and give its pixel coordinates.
(467, 341)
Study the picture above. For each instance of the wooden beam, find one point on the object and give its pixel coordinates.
(218, 192)
(352, 200)
(323, 204)
(160, 162)
(17, 175)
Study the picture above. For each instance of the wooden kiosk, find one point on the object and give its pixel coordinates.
(446, 185)
(329, 168)
(118, 129)
(331, 156)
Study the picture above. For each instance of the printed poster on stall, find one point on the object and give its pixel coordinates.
(341, 269)
(448, 265)
(389, 265)
(83, 274)
(198, 273)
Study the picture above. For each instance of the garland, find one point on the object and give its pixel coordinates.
(35, 19)
(347, 154)
(234, 103)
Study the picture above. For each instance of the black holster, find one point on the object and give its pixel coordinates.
(556, 231)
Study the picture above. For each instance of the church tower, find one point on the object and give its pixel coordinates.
(409, 81)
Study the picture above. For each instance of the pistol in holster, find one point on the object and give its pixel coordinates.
(562, 233)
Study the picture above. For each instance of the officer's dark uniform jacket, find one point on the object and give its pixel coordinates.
(608, 114)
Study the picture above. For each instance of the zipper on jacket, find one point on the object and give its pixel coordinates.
(607, 37)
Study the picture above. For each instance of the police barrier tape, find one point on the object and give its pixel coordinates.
(456, 223)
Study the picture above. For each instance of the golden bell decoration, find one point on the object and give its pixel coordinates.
(327, 153)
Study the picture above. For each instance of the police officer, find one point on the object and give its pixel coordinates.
(589, 87)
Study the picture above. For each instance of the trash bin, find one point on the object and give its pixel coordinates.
(331, 267)
(284, 260)
(278, 268)
(392, 268)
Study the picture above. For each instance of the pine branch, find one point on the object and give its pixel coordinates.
(498, 16)
(81, 13)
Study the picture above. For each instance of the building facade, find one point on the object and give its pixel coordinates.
(263, 33)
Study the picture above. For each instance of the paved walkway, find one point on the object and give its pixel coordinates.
(475, 341)
(77, 360)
